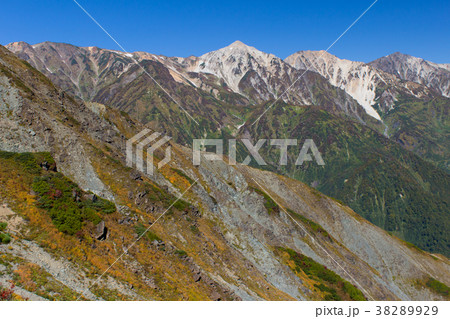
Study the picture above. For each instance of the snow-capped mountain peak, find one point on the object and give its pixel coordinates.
(237, 44)
(232, 62)
(255, 75)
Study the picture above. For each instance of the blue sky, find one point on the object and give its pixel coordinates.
(183, 28)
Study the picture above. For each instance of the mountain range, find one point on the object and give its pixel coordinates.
(239, 233)
(251, 73)
(241, 76)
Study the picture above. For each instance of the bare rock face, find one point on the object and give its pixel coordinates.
(368, 248)
(239, 72)
(433, 75)
(101, 231)
(373, 87)
(36, 120)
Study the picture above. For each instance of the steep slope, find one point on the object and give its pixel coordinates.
(229, 238)
(113, 78)
(88, 147)
(374, 89)
(389, 186)
(261, 77)
(422, 126)
(412, 113)
(410, 68)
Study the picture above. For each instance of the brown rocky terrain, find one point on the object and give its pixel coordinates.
(239, 233)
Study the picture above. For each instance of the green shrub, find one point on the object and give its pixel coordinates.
(41, 187)
(141, 229)
(180, 253)
(322, 287)
(354, 293)
(332, 296)
(61, 198)
(152, 236)
(438, 287)
(30, 161)
(329, 282)
(5, 238)
(101, 205)
(68, 221)
(316, 228)
(90, 214)
(194, 229)
(181, 205)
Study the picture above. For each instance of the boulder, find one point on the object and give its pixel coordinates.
(101, 231)
(215, 296)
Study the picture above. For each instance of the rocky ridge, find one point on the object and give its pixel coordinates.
(221, 244)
